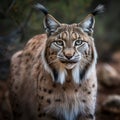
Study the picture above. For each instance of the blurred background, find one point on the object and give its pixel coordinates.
(19, 22)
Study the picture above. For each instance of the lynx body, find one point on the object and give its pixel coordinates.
(54, 76)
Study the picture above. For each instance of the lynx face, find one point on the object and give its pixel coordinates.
(69, 48)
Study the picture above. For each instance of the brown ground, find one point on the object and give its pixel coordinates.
(102, 95)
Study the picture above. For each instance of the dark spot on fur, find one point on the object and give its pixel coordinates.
(54, 85)
(79, 85)
(68, 80)
(40, 88)
(83, 101)
(89, 92)
(93, 85)
(50, 91)
(64, 88)
(41, 97)
(45, 90)
(48, 101)
(51, 57)
(27, 59)
(38, 67)
(76, 90)
(57, 100)
(27, 54)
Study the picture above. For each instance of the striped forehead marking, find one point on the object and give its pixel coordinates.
(75, 35)
(64, 35)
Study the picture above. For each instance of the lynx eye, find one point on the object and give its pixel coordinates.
(78, 42)
(60, 43)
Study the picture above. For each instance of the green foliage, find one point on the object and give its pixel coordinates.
(69, 11)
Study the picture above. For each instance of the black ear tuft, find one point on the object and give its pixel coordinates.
(40, 7)
(88, 23)
(50, 23)
(98, 10)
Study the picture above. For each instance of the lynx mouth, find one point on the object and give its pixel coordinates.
(69, 61)
(69, 64)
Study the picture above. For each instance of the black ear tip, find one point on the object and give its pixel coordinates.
(40, 7)
(98, 10)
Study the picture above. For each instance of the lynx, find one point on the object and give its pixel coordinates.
(54, 76)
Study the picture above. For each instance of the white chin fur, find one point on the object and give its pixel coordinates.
(76, 74)
(62, 76)
(69, 66)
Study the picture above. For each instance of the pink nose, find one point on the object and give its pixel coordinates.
(69, 56)
(69, 53)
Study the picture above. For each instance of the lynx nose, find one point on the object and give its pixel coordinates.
(69, 53)
(68, 56)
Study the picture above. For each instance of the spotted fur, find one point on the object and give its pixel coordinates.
(54, 76)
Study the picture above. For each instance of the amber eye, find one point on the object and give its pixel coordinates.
(60, 43)
(78, 42)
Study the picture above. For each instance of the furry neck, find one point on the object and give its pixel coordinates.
(60, 74)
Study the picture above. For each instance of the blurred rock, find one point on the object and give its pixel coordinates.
(107, 75)
(116, 57)
(112, 104)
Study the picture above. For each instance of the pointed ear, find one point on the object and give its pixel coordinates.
(50, 24)
(88, 24)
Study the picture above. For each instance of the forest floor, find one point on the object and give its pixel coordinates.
(105, 89)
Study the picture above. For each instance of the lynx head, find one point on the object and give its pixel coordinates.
(69, 48)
